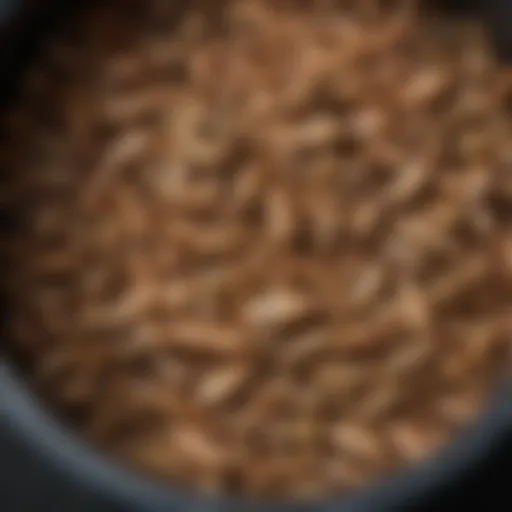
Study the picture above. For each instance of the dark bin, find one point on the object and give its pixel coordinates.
(43, 467)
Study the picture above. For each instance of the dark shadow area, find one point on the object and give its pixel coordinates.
(485, 488)
(496, 16)
(454, 7)
(22, 31)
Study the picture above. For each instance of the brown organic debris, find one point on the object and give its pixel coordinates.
(262, 247)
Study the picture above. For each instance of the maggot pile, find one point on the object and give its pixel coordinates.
(261, 247)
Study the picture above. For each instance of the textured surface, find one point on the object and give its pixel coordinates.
(268, 252)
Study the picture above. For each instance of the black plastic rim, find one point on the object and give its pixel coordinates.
(27, 427)
(25, 422)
